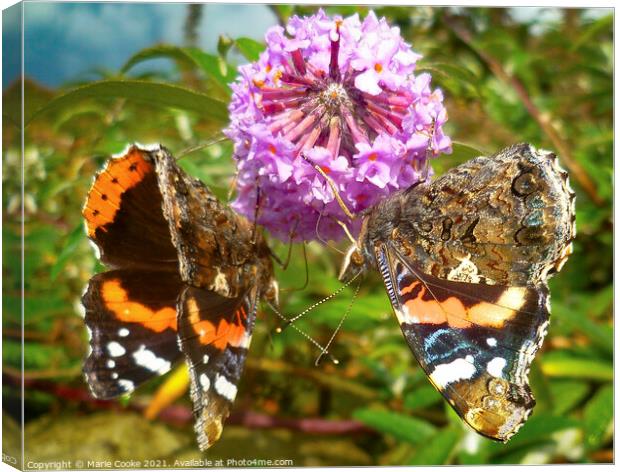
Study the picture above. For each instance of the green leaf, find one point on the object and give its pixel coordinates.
(540, 387)
(249, 48)
(568, 366)
(73, 240)
(600, 335)
(598, 416)
(538, 428)
(438, 449)
(603, 24)
(451, 70)
(567, 394)
(464, 152)
(156, 52)
(422, 396)
(140, 91)
(398, 425)
(601, 302)
(213, 66)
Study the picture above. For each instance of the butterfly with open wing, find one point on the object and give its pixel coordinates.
(465, 262)
(186, 274)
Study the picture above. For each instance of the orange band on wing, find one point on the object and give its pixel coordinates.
(225, 334)
(117, 301)
(426, 309)
(104, 198)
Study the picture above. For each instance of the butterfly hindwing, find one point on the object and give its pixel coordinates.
(214, 335)
(474, 341)
(132, 320)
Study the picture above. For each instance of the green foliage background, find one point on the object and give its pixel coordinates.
(548, 82)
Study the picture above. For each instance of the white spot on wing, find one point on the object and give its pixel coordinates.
(123, 332)
(205, 382)
(110, 364)
(115, 349)
(459, 369)
(126, 385)
(496, 366)
(225, 388)
(150, 361)
(492, 342)
(205, 359)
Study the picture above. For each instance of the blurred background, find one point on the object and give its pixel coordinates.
(99, 76)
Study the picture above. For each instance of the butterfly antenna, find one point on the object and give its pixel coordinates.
(215, 139)
(290, 321)
(278, 330)
(340, 323)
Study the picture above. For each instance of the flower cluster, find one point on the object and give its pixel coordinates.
(338, 93)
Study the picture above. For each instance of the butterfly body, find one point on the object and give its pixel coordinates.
(186, 276)
(465, 260)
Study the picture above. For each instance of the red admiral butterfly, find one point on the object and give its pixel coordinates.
(185, 277)
(465, 262)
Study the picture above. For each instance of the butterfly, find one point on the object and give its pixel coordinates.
(184, 278)
(465, 262)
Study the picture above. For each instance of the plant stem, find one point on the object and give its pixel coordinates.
(543, 119)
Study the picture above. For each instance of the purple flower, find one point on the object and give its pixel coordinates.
(339, 93)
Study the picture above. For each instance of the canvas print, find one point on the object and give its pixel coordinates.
(283, 236)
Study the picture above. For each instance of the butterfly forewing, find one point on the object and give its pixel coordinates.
(124, 218)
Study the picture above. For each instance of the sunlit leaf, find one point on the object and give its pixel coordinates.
(141, 91)
(214, 66)
(568, 366)
(567, 394)
(250, 48)
(598, 416)
(438, 449)
(73, 240)
(422, 396)
(403, 427)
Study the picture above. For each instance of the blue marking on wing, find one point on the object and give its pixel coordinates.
(435, 345)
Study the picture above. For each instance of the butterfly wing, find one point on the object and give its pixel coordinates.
(215, 244)
(123, 215)
(130, 311)
(132, 321)
(187, 275)
(475, 342)
(214, 335)
(508, 219)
